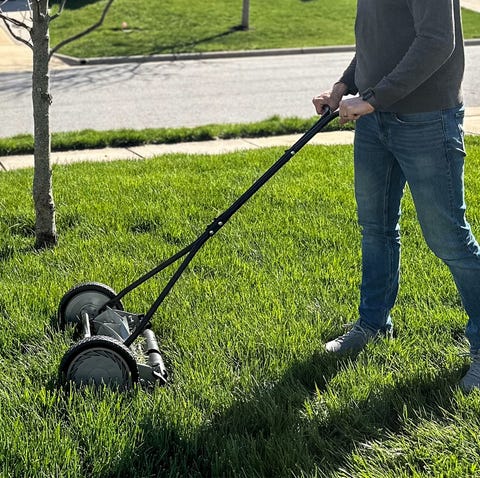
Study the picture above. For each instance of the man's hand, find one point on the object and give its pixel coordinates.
(352, 108)
(330, 98)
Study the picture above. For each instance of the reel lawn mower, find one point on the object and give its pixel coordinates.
(106, 353)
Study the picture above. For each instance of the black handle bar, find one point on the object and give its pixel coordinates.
(214, 227)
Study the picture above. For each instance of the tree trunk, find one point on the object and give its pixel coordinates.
(246, 15)
(45, 227)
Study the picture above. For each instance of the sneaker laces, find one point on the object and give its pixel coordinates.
(354, 331)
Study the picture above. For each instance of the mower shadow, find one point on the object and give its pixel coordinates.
(251, 437)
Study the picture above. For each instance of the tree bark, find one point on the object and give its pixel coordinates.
(45, 224)
(246, 15)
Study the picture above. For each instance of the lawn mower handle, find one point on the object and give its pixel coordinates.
(221, 220)
(214, 227)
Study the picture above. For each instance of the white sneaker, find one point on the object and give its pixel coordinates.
(471, 380)
(354, 340)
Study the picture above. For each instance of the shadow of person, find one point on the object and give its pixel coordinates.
(288, 428)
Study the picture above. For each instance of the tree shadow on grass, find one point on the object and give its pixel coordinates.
(74, 4)
(8, 251)
(188, 45)
(271, 433)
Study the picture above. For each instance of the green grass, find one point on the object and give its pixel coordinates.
(178, 26)
(253, 394)
(86, 139)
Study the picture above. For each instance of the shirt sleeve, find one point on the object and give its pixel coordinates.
(348, 77)
(434, 43)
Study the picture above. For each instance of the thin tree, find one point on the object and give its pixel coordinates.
(246, 15)
(39, 41)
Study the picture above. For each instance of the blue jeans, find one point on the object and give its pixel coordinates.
(425, 150)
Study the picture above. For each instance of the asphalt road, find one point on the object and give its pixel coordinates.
(185, 93)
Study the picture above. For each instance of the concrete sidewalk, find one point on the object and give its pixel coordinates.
(471, 5)
(8, 163)
(15, 55)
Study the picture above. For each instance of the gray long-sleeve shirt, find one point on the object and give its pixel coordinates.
(410, 53)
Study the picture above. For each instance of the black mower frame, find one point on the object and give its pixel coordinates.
(191, 250)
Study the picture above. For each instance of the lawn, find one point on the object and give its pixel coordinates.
(85, 139)
(253, 394)
(175, 26)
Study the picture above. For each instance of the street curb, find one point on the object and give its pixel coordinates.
(212, 55)
(73, 61)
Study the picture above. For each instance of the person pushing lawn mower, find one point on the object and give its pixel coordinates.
(408, 70)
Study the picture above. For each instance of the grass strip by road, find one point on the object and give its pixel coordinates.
(253, 393)
(183, 26)
(92, 139)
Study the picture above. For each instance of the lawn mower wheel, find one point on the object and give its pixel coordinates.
(88, 297)
(99, 360)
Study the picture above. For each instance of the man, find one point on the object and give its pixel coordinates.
(408, 69)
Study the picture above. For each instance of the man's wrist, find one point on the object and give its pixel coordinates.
(368, 95)
(340, 88)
